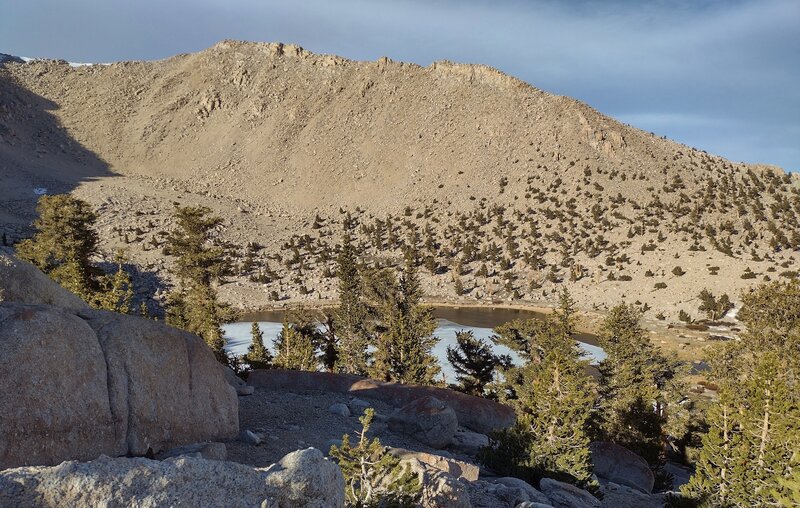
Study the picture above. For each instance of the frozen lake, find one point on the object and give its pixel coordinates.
(480, 321)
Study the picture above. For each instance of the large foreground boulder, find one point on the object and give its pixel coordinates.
(301, 479)
(78, 384)
(22, 282)
(476, 413)
(616, 464)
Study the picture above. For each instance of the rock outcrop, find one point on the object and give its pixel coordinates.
(475, 413)
(76, 383)
(301, 479)
(22, 282)
(428, 420)
(616, 464)
(565, 495)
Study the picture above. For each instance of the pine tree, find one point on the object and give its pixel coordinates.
(638, 386)
(63, 246)
(713, 307)
(116, 292)
(553, 397)
(350, 317)
(474, 363)
(294, 349)
(404, 341)
(373, 477)
(201, 262)
(258, 356)
(750, 464)
(64, 243)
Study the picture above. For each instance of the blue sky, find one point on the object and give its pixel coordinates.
(722, 76)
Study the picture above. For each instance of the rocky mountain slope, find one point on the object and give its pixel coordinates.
(476, 167)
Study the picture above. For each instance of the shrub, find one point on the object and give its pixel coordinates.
(373, 477)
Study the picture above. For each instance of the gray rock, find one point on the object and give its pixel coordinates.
(250, 437)
(614, 463)
(307, 478)
(340, 409)
(85, 383)
(458, 469)
(301, 479)
(441, 489)
(533, 494)
(469, 442)
(22, 282)
(208, 451)
(485, 494)
(428, 420)
(616, 496)
(357, 406)
(565, 495)
(531, 504)
(236, 382)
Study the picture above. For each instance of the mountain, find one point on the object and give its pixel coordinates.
(477, 166)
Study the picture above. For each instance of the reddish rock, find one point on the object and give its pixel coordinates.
(428, 420)
(476, 413)
(455, 468)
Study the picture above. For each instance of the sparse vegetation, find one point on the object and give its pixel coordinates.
(373, 477)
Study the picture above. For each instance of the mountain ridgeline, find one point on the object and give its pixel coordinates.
(505, 191)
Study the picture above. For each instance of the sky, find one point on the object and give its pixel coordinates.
(719, 75)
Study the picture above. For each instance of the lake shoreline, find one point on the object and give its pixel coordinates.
(587, 321)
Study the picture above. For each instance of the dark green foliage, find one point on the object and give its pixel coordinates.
(64, 242)
(713, 307)
(350, 317)
(200, 263)
(751, 450)
(639, 387)
(373, 477)
(553, 397)
(295, 348)
(258, 356)
(474, 362)
(404, 339)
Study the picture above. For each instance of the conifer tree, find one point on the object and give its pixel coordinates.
(64, 243)
(405, 339)
(474, 363)
(751, 449)
(638, 384)
(553, 397)
(200, 263)
(258, 356)
(350, 317)
(63, 246)
(373, 477)
(116, 292)
(294, 349)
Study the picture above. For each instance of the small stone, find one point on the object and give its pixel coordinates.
(250, 437)
(339, 409)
